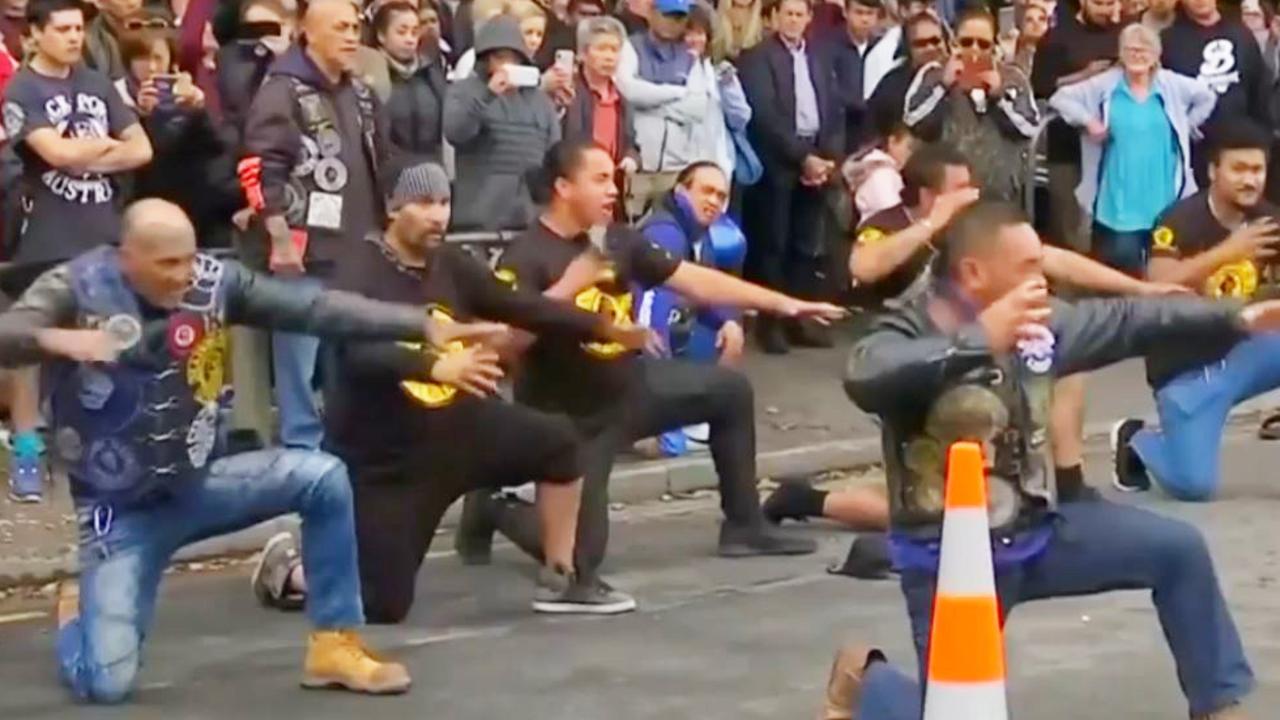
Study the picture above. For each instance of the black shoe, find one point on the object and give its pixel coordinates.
(752, 540)
(868, 558)
(770, 336)
(473, 540)
(791, 501)
(1130, 474)
(806, 333)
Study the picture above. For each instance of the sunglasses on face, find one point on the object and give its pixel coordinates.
(979, 43)
(147, 24)
(927, 42)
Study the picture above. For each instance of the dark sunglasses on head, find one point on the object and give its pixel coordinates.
(147, 24)
(980, 43)
(927, 42)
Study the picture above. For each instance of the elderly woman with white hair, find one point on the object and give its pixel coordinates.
(1137, 122)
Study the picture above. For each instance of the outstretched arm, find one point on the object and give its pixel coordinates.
(706, 286)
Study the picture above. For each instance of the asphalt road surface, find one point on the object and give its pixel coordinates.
(714, 639)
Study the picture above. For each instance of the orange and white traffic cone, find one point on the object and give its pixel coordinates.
(966, 651)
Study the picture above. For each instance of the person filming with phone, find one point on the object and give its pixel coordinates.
(973, 103)
(501, 124)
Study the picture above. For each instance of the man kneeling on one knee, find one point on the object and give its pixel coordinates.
(135, 340)
(974, 358)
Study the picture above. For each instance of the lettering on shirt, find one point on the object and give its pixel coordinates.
(85, 117)
(1218, 67)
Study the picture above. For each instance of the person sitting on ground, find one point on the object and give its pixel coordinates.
(1219, 242)
(690, 223)
(135, 339)
(418, 430)
(614, 396)
(972, 360)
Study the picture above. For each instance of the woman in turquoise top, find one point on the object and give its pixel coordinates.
(1137, 122)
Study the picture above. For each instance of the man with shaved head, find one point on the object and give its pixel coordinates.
(315, 145)
(134, 341)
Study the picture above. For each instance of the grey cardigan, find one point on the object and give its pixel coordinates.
(1187, 103)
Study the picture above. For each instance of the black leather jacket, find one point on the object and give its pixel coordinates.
(252, 299)
(906, 363)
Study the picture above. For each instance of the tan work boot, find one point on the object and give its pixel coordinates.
(339, 659)
(845, 685)
(1230, 712)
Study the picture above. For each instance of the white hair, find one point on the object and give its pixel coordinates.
(1138, 32)
(590, 28)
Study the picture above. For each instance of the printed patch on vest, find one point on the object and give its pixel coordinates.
(324, 210)
(68, 445)
(206, 367)
(1036, 349)
(185, 330)
(203, 294)
(331, 175)
(125, 331)
(308, 156)
(201, 435)
(112, 465)
(330, 142)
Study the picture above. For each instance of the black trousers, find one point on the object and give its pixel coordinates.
(666, 394)
(472, 444)
(787, 249)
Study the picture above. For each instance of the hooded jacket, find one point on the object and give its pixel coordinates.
(322, 146)
(497, 139)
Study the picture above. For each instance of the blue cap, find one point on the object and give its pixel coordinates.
(672, 7)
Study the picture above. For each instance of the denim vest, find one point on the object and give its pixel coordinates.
(131, 431)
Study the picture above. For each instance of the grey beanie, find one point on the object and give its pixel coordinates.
(425, 181)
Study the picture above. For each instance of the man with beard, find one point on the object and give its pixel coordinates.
(1219, 242)
(415, 444)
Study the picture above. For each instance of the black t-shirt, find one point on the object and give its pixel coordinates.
(69, 213)
(1186, 230)
(574, 377)
(378, 411)
(1069, 48)
(875, 229)
(1226, 57)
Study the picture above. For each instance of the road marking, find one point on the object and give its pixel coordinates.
(23, 617)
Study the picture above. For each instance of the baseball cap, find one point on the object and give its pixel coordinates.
(416, 183)
(672, 7)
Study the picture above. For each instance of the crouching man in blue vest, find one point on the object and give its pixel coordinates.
(135, 340)
(690, 223)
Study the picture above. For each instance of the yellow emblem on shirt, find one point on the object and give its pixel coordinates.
(433, 394)
(1234, 280)
(206, 367)
(616, 306)
(870, 236)
(506, 277)
(1162, 238)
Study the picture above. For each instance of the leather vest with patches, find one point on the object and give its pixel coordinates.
(320, 167)
(1004, 407)
(130, 431)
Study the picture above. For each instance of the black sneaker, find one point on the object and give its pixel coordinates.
(788, 502)
(751, 540)
(473, 539)
(565, 594)
(1129, 473)
(868, 558)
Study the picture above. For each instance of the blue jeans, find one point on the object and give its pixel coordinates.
(293, 358)
(1099, 547)
(1126, 251)
(1183, 454)
(123, 555)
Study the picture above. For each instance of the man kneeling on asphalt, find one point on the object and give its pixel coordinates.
(974, 359)
(136, 339)
(613, 396)
(1220, 242)
(415, 445)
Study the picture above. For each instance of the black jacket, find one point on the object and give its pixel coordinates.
(886, 105)
(906, 362)
(242, 66)
(415, 113)
(768, 80)
(300, 124)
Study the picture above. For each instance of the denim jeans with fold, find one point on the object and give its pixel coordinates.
(124, 552)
